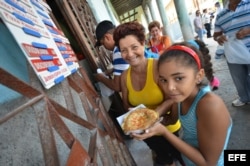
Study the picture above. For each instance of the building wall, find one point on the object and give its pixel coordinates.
(12, 60)
(100, 11)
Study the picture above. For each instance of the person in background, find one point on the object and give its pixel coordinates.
(157, 43)
(198, 26)
(104, 34)
(233, 21)
(205, 120)
(206, 19)
(139, 86)
(218, 8)
(220, 48)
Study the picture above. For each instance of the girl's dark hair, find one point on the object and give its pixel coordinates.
(188, 60)
(130, 28)
(182, 56)
(208, 66)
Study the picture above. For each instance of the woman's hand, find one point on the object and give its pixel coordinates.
(156, 129)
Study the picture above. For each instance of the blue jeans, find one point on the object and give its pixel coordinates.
(200, 34)
(241, 77)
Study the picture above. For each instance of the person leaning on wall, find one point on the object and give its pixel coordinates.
(104, 34)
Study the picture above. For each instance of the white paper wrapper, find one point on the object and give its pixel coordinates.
(120, 120)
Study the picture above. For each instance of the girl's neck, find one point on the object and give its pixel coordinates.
(192, 96)
(186, 104)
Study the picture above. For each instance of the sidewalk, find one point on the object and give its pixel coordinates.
(240, 139)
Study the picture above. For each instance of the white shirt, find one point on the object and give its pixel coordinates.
(197, 23)
(205, 18)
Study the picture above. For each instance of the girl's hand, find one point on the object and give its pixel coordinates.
(156, 129)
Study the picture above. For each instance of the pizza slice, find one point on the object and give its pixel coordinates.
(139, 119)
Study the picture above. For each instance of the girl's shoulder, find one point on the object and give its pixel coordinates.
(210, 97)
(211, 104)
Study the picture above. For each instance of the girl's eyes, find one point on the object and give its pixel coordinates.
(162, 80)
(177, 79)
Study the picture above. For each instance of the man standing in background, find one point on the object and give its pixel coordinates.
(218, 7)
(233, 21)
(206, 19)
(220, 48)
(198, 26)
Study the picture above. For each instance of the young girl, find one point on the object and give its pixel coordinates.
(205, 119)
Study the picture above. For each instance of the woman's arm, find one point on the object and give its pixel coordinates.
(170, 116)
(164, 107)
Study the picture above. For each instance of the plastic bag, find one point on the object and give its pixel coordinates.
(236, 51)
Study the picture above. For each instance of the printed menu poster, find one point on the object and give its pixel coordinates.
(44, 45)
